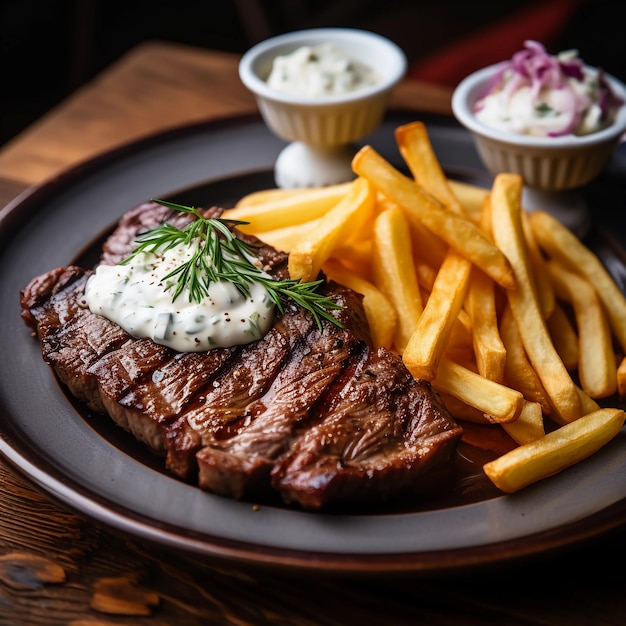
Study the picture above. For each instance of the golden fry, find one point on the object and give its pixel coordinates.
(481, 307)
(430, 337)
(519, 373)
(284, 238)
(528, 426)
(561, 244)
(545, 291)
(317, 244)
(488, 346)
(564, 337)
(394, 271)
(417, 152)
(263, 196)
(460, 233)
(597, 368)
(292, 208)
(470, 196)
(621, 378)
(556, 451)
(462, 411)
(508, 234)
(381, 316)
(497, 402)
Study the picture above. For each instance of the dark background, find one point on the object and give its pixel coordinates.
(49, 48)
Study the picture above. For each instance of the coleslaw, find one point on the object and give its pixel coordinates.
(539, 94)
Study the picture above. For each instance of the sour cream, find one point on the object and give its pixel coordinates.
(138, 298)
(316, 71)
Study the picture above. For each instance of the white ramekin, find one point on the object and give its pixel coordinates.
(330, 120)
(545, 163)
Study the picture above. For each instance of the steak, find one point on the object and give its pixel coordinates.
(315, 416)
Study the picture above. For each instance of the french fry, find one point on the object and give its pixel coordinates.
(263, 196)
(556, 451)
(426, 275)
(528, 426)
(597, 367)
(561, 244)
(488, 346)
(460, 233)
(426, 246)
(481, 306)
(621, 378)
(381, 316)
(317, 244)
(518, 371)
(470, 196)
(301, 194)
(545, 291)
(564, 337)
(284, 238)
(462, 411)
(293, 208)
(497, 402)
(394, 271)
(417, 151)
(356, 256)
(430, 337)
(508, 234)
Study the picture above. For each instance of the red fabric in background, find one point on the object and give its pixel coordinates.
(544, 21)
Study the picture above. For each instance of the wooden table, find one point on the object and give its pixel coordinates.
(59, 568)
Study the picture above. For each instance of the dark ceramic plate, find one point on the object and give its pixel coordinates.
(95, 468)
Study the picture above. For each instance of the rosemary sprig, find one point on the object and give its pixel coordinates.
(219, 255)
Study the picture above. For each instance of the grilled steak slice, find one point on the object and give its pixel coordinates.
(240, 464)
(317, 416)
(375, 436)
(72, 338)
(145, 387)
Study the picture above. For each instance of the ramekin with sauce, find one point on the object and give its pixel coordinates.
(322, 89)
(552, 150)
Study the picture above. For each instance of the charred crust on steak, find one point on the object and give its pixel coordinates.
(316, 417)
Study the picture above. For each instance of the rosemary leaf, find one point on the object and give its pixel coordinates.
(219, 255)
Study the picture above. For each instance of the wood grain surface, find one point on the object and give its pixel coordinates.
(58, 568)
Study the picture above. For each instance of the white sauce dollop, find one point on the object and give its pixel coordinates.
(136, 297)
(318, 71)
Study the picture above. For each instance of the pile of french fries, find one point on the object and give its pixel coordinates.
(513, 320)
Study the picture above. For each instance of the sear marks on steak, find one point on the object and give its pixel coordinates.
(318, 417)
(377, 434)
(314, 360)
(72, 338)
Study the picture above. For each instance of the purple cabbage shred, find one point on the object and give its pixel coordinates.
(534, 67)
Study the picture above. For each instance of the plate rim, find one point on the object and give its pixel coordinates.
(447, 559)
